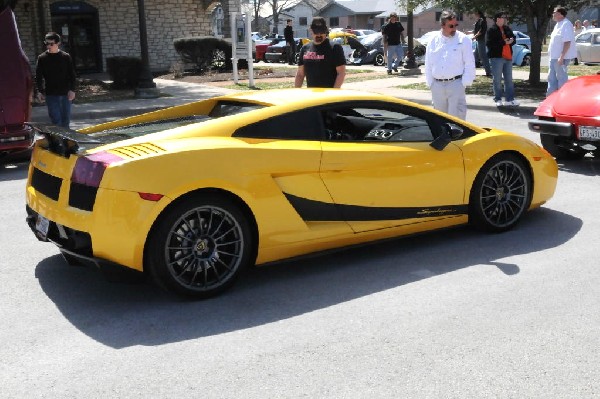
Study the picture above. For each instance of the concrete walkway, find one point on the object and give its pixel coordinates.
(177, 92)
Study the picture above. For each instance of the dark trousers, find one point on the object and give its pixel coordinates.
(291, 52)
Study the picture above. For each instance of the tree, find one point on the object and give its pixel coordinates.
(256, 6)
(536, 14)
(277, 6)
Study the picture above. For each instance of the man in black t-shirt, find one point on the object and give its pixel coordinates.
(288, 34)
(323, 64)
(394, 37)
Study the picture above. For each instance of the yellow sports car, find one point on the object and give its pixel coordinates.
(194, 194)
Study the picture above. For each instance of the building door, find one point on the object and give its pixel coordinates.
(77, 23)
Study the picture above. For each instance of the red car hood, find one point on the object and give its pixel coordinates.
(15, 75)
(579, 97)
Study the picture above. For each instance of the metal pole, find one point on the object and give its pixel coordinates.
(146, 86)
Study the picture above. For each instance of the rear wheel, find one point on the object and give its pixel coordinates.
(501, 193)
(526, 60)
(552, 145)
(200, 246)
(379, 59)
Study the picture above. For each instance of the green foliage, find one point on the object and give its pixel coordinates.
(204, 52)
(124, 71)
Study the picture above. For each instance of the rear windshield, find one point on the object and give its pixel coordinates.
(221, 109)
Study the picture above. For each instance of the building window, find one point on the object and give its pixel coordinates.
(303, 21)
(334, 22)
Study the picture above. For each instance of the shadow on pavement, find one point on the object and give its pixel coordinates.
(121, 315)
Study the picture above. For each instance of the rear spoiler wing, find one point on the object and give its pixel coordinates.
(61, 140)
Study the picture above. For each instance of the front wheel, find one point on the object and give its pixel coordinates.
(526, 60)
(501, 193)
(379, 59)
(200, 246)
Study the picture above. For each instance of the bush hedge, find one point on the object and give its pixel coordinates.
(124, 71)
(204, 52)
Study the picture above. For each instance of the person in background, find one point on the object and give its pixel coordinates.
(288, 34)
(322, 63)
(500, 39)
(585, 25)
(479, 32)
(577, 29)
(393, 36)
(55, 80)
(384, 39)
(561, 50)
(449, 67)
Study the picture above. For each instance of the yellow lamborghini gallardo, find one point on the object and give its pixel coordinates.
(194, 194)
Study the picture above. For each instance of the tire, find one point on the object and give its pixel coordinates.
(296, 58)
(501, 193)
(526, 60)
(200, 246)
(379, 59)
(551, 144)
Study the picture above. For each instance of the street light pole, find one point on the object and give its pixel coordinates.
(411, 63)
(146, 87)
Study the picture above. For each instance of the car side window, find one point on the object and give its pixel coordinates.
(377, 122)
(298, 125)
(583, 38)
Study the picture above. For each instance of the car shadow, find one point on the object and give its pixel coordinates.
(13, 170)
(522, 112)
(588, 166)
(121, 315)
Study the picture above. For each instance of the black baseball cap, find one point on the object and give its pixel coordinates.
(318, 25)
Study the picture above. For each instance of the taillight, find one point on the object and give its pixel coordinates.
(90, 168)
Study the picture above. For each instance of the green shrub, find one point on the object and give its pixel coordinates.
(124, 71)
(204, 52)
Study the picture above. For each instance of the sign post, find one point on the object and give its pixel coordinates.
(241, 45)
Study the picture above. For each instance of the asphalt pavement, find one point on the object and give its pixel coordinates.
(177, 92)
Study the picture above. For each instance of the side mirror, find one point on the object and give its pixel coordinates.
(450, 131)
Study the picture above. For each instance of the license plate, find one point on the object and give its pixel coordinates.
(42, 225)
(589, 133)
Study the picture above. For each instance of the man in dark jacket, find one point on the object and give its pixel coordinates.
(394, 37)
(55, 80)
(479, 32)
(288, 34)
(500, 39)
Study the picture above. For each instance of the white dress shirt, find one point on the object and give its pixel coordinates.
(562, 32)
(447, 57)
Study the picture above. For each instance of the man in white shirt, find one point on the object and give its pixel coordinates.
(449, 67)
(561, 50)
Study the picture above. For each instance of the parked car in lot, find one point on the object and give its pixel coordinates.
(261, 48)
(522, 39)
(315, 169)
(16, 85)
(569, 121)
(588, 46)
(371, 51)
(279, 52)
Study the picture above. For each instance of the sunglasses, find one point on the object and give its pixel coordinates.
(452, 26)
(49, 43)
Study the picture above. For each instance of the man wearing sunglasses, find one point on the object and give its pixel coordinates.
(322, 63)
(55, 80)
(449, 67)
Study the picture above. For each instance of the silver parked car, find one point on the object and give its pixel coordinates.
(588, 46)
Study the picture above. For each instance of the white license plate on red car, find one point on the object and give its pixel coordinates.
(589, 133)
(42, 225)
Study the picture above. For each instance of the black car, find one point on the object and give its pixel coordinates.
(370, 51)
(279, 52)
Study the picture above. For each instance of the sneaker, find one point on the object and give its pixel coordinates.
(395, 69)
(498, 103)
(389, 72)
(513, 103)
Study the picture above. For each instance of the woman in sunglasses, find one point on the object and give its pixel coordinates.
(500, 39)
(55, 80)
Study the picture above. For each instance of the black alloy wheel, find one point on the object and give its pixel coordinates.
(501, 193)
(200, 246)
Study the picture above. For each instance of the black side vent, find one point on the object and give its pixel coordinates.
(82, 196)
(46, 184)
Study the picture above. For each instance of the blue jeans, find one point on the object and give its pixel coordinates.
(396, 51)
(502, 68)
(59, 110)
(557, 75)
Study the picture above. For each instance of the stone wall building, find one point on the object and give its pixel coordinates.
(94, 30)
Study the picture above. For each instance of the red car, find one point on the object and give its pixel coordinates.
(569, 119)
(16, 138)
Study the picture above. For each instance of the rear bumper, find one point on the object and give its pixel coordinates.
(560, 129)
(16, 141)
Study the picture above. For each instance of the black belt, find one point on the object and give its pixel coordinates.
(450, 79)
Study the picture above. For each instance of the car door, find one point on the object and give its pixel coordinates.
(381, 171)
